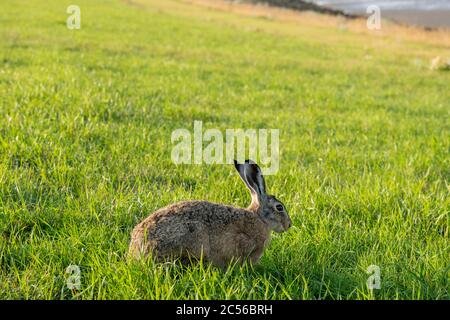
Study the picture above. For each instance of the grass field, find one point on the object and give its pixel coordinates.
(86, 118)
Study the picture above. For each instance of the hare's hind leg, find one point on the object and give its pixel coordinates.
(199, 250)
(195, 248)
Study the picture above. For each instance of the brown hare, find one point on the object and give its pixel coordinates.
(218, 233)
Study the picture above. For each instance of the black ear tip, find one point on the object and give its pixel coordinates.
(247, 161)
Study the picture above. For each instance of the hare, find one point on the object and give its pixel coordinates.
(215, 232)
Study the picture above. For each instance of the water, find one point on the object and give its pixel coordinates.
(356, 6)
(425, 13)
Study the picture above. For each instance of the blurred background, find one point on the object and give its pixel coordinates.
(426, 13)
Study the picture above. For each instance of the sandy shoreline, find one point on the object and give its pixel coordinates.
(412, 16)
(427, 19)
(423, 13)
(439, 36)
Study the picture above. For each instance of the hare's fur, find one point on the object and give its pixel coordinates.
(214, 232)
(187, 229)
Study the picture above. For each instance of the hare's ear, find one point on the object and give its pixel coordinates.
(241, 170)
(255, 178)
(251, 174)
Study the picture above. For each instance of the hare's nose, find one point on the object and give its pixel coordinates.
(289, 224)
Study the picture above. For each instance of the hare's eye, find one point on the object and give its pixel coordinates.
(279, 207)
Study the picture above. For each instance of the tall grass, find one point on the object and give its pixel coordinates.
(86, 118)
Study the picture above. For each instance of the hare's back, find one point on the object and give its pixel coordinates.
(186, 225)
(198, 213)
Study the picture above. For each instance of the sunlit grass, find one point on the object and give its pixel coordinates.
(86, 118)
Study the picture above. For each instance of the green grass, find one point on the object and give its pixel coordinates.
(86, 118)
